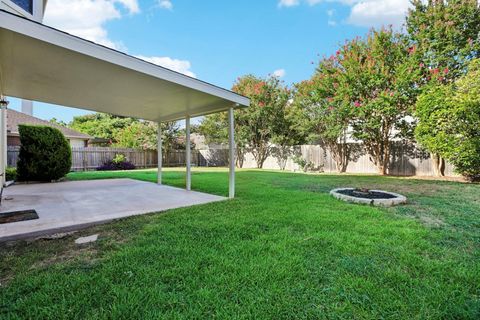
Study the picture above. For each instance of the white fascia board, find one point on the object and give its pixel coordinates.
(73, 43)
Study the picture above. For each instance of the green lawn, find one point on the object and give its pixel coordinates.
(282, 249)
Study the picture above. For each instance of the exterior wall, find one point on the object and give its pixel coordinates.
(37, 5)
(13, 141)
(79, 143)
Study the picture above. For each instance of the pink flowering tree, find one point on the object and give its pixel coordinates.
(267, 122)
(261, 123)
(323, 111)
(379, 82)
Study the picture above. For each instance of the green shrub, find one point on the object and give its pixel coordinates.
(45, 154)
(119, 158)
(11, 174)
(449, 116)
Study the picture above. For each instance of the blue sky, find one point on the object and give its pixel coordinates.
(219, 40)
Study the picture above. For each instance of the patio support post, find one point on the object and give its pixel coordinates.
(3, 138)
(159, 153)
(188, 154)
(231, 150)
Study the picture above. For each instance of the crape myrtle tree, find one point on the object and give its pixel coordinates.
(323, 110)
(445, 37)
(287, 133)
(257, 128)
(266, 114)
(380, 76)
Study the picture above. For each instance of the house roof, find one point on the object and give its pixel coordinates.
(44, 64)
(14, 118)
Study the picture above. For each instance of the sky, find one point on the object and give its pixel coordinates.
(219, 40)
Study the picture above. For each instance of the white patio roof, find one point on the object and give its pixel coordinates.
(44, 64)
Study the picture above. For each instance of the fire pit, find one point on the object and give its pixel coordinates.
(371, 197)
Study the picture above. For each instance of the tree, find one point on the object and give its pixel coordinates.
(445, 34)
(101, 125)
(324, 110)
(377, 84)
(138, 135)
(445, 37)
(258, 126)
(214, 128)
(287, 133)
(433, 131)
(465, 154)
(268, 97)
(449, 116)
(58, 122)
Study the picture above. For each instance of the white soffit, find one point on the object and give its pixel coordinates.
(44, 64)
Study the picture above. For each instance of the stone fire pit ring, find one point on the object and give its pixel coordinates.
(391, 198)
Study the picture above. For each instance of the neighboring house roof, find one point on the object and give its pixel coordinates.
(14, 118)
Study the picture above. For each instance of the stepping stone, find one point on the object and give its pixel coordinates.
(83, 240)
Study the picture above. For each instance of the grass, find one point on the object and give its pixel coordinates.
(282, 249)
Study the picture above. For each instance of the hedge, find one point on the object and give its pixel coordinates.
(45, 154)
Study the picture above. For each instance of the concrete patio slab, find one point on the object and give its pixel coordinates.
(71, 205)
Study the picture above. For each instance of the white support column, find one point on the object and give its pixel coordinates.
(231, 146)
(159, 153)
(188, 154)
(3, 138)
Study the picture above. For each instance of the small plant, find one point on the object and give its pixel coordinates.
(119, 158)
(10, 174)
(119, 162)
(303, 163)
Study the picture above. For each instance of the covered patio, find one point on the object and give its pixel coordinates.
(72, 205)
(43, 64)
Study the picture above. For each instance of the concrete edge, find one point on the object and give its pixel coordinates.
(399, 199)
(35, 234)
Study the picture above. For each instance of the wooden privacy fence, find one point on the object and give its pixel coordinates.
(90, 158)
(405, 160)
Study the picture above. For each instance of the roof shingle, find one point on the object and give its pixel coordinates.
(14, 118)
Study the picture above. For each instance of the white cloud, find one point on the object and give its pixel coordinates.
(165, 4)
(280, 73)
(288, 3)
(331, 21)
(182, 66)
(379, 12)
(368, 13)
(87, 18)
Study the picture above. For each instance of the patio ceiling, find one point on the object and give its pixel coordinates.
(44, 64)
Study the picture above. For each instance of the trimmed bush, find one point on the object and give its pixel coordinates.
(45, 154)
(10, 174)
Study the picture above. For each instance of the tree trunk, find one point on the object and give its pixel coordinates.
(283, 156)
(438, 165)
(240, 157)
